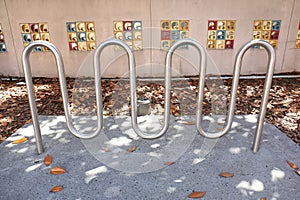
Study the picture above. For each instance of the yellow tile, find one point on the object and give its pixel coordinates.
(25, 28)
(267, 25)
(165, 24)
(118, 26)
(211, 44)
(175, 25)
(230, 25)
(257, 25)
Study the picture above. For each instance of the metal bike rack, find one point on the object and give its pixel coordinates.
(237, 68)
(132, 89)
(28, 77)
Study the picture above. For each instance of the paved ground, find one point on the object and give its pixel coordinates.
(102, 168)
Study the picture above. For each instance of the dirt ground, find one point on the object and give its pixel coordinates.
(283, 107)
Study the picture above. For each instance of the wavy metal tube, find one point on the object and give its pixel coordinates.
(62, 79)
(237, 69)
(132, 75)
(202, 73)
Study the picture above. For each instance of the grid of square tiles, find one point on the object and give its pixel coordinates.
(130, 32)
(297, 45)
(33, 32)
(220, 34)
(2, 41)
(172, 31)
(267, 30)
(81, 36)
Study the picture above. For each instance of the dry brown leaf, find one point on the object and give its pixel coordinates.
(48, 160)
(169, 163)
(57, 188)
(28, 121)
(131, 149)
(187, 123)
(21, 140)
(297, 172)
(195, 195)
(226, 174)
(264, 198)
(57, 170)
(105, 149)
(292, 165)
(220, 129)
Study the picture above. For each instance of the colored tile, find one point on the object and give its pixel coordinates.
(127, 35)
(2, 41)
(172, 31)
(175, 25)
(220, 34)
(184, 34)
(297, 44)
(276, 25)
(34, 32)
(165, 25)
(165, 44)
(212, 25)
(137, 35)
(267, 30)
(229, 44)
(137, 45)
(118, 26)
(127, 26)
(184, 25)
(165, 35)
(71, 26)
(137, 25)
(130, 32)
(174, 35)
(81, 35)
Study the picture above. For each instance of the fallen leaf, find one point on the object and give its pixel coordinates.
(194, 195)
(47, 160)
(292, 165)
(297, 172)
(187, 123)
(21, 140)
(57, 188)
(169, 163)
(28, 121)
(220, 129)
(131, 149)
(105, 149)
(226, 174)
(57, 170)
(264, 198)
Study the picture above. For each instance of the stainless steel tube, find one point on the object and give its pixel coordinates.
(237, 68)
(28, 77)
(132, 74)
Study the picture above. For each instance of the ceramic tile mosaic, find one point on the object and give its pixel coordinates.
(81, 36)
(297, 45)
(267, 30)
(2, 41)
(33, 32)
(130, 32)
(220, 34)
(172, 31)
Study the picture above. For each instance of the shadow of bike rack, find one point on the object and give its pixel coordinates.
(199, 117)
(234, 87)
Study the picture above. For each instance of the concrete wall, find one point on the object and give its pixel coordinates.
(150, 61)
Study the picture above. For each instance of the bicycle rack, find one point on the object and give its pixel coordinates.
(62, 79)
(237, 68)
(133, 89)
